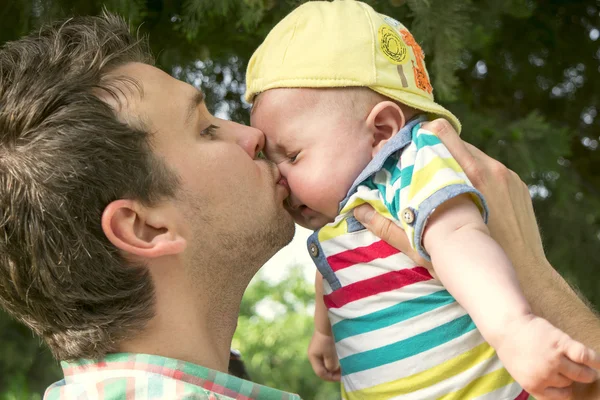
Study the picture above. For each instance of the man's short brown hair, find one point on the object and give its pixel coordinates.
(64, 156)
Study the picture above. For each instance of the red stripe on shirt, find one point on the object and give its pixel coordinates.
(523, 396)
(130, 388)
(378, 284)
(359, 255)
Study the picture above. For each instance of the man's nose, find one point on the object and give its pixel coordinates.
(251, 140)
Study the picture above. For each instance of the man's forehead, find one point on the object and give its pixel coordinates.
(125, 86)
(153, 81)
(156, 91)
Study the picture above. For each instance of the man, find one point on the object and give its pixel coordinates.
(117, 194)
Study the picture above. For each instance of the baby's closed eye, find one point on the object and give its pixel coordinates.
(292, 157)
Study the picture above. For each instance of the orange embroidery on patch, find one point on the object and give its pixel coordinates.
(421, 78)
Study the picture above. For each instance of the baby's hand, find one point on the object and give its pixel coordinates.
(323, 358)
(545, 360)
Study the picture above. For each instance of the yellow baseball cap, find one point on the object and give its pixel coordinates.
(339, 44)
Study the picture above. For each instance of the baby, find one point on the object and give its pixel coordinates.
(341, 93)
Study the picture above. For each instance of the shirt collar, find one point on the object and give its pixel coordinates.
(90, 372)
(75, 371)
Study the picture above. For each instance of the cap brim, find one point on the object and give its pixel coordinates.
(420, 103)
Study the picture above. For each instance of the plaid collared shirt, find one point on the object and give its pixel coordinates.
(142, 376)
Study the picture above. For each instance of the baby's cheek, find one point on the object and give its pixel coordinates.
(330, 200)
(318, 190)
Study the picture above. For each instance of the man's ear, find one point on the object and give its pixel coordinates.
(384, 121)
(141, 231)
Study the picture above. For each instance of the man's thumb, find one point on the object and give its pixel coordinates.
(364, 214)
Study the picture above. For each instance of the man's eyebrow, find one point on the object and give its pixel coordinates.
(196, 100)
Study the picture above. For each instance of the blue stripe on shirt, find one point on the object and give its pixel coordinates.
(391, 315)
(425, 139)
(407, 348)
(406, 179)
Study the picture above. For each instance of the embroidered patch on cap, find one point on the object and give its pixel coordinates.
(390, 21)
(392, 46)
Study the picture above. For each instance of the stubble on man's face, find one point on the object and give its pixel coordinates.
(232, 244)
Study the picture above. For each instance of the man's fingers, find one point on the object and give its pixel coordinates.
(451, 140)
(380, 226)
(475, 151)
(388, 232)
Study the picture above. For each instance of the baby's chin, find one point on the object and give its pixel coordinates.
(312, 222)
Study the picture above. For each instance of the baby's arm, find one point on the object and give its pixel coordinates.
(321, 350)
(476, 271)
(473, 267)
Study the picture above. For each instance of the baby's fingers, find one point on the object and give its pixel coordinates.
(553, 393)
(576, 372)
(331, 363)
(320, 370)
(581, 354)
(318, 363)
(559, 381)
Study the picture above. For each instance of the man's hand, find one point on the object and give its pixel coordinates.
(513, 225)
(511, 218)
(323, 358)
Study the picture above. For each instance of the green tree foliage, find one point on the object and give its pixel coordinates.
(273, 342)
(26, 368)
(522, 75)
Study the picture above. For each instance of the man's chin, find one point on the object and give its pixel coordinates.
(276, 234)
(286, 229)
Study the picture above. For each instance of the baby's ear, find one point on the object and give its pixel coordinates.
(384, 121)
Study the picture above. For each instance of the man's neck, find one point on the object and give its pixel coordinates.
(195, 319)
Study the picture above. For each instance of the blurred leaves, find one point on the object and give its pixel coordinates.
(26, 367)
(273, 342)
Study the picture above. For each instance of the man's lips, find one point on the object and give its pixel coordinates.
(283, 182)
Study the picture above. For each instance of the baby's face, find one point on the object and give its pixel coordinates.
(319, 147)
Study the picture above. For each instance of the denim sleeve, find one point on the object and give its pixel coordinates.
(432, 177)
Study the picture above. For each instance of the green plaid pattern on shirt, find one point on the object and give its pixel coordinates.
(142, 376)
